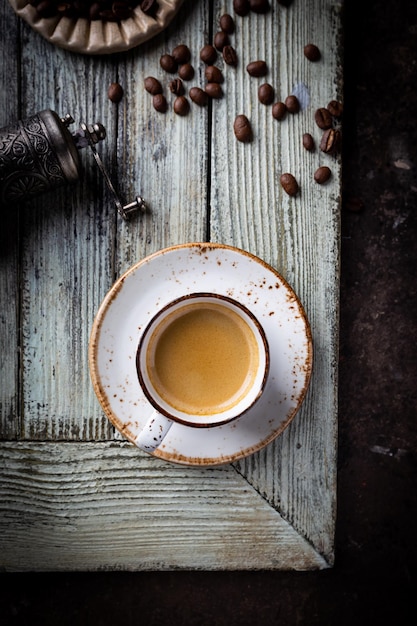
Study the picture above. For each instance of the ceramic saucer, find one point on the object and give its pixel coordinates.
(98, 37)
(201, 267)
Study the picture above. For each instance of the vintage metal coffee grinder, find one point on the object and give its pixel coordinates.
(40, 154)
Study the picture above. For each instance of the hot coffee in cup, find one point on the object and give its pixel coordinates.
(202, 361)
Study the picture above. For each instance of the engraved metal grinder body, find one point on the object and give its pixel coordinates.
(40, 154)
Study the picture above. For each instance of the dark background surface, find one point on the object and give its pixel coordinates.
(374, 579)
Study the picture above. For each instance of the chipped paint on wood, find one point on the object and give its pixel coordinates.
(66, 249)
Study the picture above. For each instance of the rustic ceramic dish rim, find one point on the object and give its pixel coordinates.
(97, 37)
(126, 428)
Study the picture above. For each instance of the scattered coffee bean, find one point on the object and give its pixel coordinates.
(159, 103)
(259, 6)
(181, 54)
(149, 7)
(186, 71)
(257, 68)
(243, 129)
(266, 93)
(208, 54)
(289, 184)
(227, 23)
(121, 10)
(93, 13)
(181, 105)
(168, 63)
(115, 92)
(229, 56)
(308, 142)
(152, 85)
(241, 7)
(322, 174)
(279, 110)
(335, 108)
(292, 104)
(323, 118)
(176, 87)
(330, 141)
(214, 90)
(213, 74)
(311, 52)
(199, 96)
(220, 40)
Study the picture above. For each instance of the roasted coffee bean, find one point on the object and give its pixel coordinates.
(152, 85)
(322, 174)
(181, 105)
(208, 54)
(308, 142)
(220, 40)
(292, 103)
(93, 14)
(176, 87)
(279, 110)
(241, 7)
(213, 74)
(259, 6)
(168, 63)
(108, 16)
(335, 108)
(323, 118)
(160, 103)
(149, 7)
(289, 184)
(229, 56)
(186, 71)
(227, 23)
(214, 90)
(121, 10)
(243, 129)
(257, 68)
(330, 141)
(115, 92)
(266, 93)
(181, 54)
(199, 96)
(46, 9)
(312, 53)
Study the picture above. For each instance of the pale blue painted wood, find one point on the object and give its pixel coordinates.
(69, 246)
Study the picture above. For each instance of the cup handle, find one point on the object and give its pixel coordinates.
(153, 433)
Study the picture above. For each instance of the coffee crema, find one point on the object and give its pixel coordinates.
(203, 358)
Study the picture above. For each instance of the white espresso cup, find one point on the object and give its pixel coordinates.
(202, 361)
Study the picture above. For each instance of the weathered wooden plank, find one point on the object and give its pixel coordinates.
(67, 251)
(107, 506)
(9, 241)
(299, 236)
(165, 156)
(61, 500)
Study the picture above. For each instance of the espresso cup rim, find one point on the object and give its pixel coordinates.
(209, 421)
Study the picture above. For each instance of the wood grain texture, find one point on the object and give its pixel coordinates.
(71, 497)
(9, 242)
(105, 506)
(67, 251)
(251, 210)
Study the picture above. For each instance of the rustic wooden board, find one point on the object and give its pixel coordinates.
(72, 498)
(106, 506)
(9, 243)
